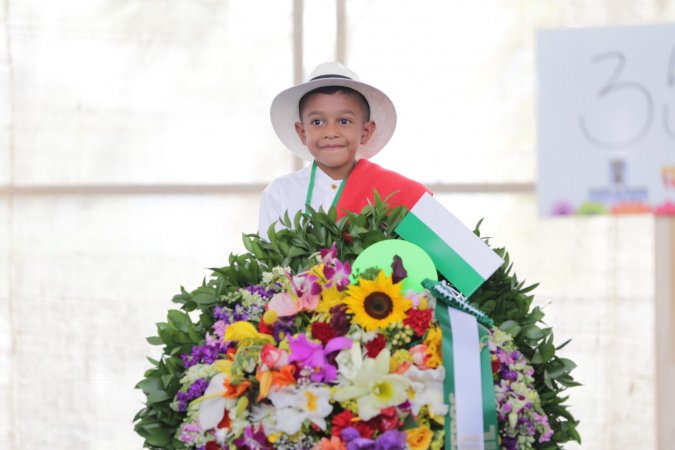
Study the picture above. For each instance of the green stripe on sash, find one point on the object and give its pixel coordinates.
(443, 318)
(491, 430)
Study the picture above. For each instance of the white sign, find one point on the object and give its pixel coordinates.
(606, 120)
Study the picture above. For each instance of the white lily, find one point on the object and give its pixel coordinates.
(427, 387)
(373, 387)
(294, 405)
(213, 404)
(349, 361)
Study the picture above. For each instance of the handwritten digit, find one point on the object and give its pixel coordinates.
(614, 85)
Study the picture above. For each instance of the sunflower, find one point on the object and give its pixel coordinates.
(377, 303)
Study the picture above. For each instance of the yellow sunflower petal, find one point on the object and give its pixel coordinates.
(377, 303)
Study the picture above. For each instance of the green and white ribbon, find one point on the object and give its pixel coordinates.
(471, 423)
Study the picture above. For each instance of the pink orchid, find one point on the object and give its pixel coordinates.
(312, 355)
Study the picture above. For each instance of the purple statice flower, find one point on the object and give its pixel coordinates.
(509, 443)
(196, 390)
(219, 329)
(507, 374)
(188, 432)
(545, 428)
(252, 440)
(261, 291)
(204, 354)
(222, 313)
(282, 327)
(240, 313)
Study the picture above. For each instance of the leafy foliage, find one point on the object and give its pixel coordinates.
(505, 299)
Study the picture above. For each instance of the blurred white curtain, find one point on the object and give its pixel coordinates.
(134, 140)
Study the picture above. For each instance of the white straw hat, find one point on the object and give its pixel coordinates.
(284, 111)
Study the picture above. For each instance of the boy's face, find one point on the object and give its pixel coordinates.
(333, 127)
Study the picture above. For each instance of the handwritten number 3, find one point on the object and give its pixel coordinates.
(613, 86)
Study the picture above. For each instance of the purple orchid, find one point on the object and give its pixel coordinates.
(253, 440)
(337, 274)
(328, 255)
(335, 271)
(312, 355)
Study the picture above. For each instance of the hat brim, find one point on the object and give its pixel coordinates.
(284, 114)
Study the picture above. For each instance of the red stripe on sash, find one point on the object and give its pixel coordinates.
(368, 177)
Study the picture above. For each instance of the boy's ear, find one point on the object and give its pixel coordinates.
(368, 131)
(301, 132)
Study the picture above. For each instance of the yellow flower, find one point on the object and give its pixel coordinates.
(238, 331)
(433, 343)
(377, 303)
(223, 366)
(419, 438)
(329, 297)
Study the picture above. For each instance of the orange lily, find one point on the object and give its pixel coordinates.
(268, 378)
(234, 391)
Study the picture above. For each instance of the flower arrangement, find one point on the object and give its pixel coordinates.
(291, 350)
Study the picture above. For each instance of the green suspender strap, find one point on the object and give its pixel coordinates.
(310, 189)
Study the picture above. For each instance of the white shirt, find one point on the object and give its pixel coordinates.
(288, 193)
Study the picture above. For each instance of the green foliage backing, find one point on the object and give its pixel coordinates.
(503, 297)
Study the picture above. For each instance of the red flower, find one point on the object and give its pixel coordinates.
(346, 236)
(387, 420)
(495, 364)
(418, 320)
(374, 347)
(323, 331)
(346, 419)
(213, 445)
(341, 421)
(265, 328)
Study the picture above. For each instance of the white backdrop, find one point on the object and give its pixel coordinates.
(134, 141)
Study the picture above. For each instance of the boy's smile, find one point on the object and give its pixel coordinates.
(333, 127)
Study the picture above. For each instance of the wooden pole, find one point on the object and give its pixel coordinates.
(664, 251)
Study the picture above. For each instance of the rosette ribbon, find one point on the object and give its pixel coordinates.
(471, 423)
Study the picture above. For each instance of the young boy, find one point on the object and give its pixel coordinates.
(337, 122)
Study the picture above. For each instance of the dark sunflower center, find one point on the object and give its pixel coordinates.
(378, 305)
